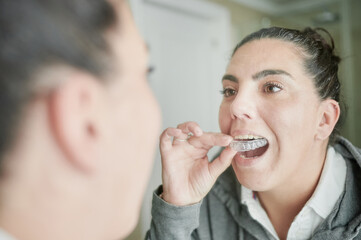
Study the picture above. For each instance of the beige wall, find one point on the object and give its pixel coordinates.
(357, 81)
(356, 15)
(244, 20)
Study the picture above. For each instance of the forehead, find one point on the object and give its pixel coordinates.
(258, 55)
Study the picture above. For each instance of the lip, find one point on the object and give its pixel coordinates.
(248, 162)
(245, 162)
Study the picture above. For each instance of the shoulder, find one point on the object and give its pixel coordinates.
(348, 209)
(347, 149)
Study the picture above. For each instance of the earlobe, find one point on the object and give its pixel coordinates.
(73, 109)
(330, 113)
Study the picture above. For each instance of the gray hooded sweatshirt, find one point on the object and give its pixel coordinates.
(221, 216)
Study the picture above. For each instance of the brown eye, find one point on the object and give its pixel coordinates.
(272, 88)
(228, 92)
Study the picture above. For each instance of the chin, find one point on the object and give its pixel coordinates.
(130, 227)
(123, 221)
(252, 178)
(123, 228)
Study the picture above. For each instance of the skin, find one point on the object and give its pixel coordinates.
(76, 167)
(268, 93)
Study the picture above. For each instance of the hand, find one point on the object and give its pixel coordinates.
(187, 175)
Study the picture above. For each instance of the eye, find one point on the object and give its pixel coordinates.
(150, 70)
(272, 87)
(228, 92)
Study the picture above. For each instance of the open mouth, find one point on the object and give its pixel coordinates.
(249, 146)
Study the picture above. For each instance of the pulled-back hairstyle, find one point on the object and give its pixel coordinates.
(320, 61)
(39, 33)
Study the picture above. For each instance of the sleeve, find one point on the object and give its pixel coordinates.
(173, 222)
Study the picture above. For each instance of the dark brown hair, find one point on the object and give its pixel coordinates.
(320, 61)
(39, 33)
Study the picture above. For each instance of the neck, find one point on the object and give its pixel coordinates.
(284, 202)
(31, 208)
(41, 198)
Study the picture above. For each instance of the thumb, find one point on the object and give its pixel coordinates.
(221, 163)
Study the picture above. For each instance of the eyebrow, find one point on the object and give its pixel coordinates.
(269, 72)
(258, 75)
(230, 78)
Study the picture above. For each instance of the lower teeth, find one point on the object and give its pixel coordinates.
(244, 146)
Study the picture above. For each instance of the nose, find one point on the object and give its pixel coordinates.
(243, 106)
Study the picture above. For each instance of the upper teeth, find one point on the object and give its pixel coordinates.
(245, 137)
(244, 146)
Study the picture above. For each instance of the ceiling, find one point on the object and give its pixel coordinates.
(285, 1)
(285, 7)
(319, 12)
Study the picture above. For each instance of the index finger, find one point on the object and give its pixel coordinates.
(191, 127)
(209, 140)
(165, 139)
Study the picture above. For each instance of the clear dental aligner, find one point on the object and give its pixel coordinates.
(244, 146)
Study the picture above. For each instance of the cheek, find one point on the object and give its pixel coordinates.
(134, 132)
(224, 118)
(135, 135)
(142, 128)
(292, 122)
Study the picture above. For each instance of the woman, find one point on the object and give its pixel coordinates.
(298, 179)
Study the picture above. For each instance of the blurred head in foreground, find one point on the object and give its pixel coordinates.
(78, 122)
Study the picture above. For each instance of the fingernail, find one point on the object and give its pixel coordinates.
(227, 138)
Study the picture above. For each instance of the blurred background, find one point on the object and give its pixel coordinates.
(190, 43)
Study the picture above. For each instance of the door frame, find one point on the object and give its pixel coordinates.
(211, 11)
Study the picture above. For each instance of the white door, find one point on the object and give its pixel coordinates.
(189, 49)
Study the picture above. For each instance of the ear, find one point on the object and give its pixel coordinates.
(330, 113)
(74, 110)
